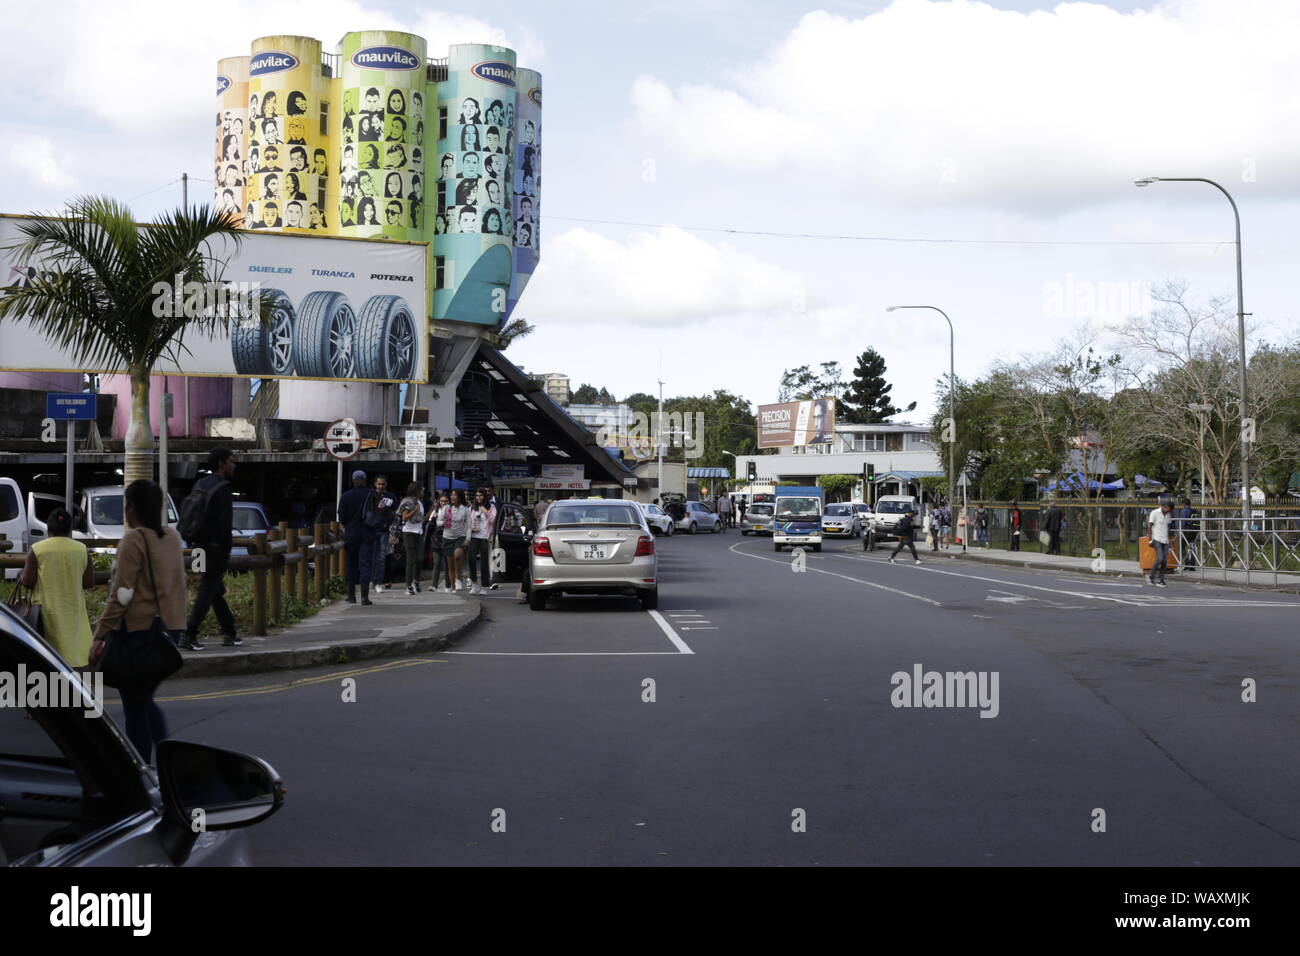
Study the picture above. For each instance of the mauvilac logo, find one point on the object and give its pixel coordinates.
(535, 94)
(223, 84)
(494, 71)
(271, 62)
(386, 58)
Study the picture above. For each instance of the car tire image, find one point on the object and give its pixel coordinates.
(264, 349)
(324, 337)
(386, 340)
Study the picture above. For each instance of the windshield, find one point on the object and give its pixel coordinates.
(798, 507)
(893, 507)
(107, 509)
(591, 514)
(838, 511)
(248, 519)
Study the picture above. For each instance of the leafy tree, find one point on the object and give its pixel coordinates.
(838, 487)
(512, 331)
(802, 383)
(585, 394)
(866, 400)
(94, 297)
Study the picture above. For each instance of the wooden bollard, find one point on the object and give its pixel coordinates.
(323, 561)
(290, 569)
(302, 569)
(259, 587)
(273, 577)
(340, 555)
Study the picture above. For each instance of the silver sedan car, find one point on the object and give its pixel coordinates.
(757, 520)
(593, 546)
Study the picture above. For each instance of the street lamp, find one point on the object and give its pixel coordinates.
(952, 414)
(1241, 337)
(1201, 410)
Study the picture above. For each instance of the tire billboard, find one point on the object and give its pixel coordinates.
(341, 309)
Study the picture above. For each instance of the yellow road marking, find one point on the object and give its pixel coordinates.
(302, 682)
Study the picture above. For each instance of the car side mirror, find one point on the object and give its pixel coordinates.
(207, 788)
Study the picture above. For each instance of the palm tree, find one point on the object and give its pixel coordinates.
(511, 331)
(94, 293)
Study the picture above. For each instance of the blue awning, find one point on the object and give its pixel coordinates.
(708, 473)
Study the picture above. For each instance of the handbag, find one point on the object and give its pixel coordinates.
(21, 603)
(140, 658)
(1044, 538)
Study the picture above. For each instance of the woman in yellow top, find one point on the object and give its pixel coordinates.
(58, 570)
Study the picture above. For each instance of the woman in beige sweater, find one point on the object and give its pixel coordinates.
(148, 581)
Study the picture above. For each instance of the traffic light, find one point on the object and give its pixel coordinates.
(751, 471)
(868, 472)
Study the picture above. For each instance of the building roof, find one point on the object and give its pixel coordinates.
(708, 472)
(910, 475)
(524, 416)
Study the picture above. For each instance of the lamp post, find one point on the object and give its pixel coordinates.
(1201, 410)
(952, 413)
(1241, 338)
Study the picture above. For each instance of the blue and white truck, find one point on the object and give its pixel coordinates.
(797, 518)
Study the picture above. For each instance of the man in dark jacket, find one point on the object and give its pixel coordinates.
(903, 529)
(1186, 528)
(214, 537)
(1052, 525)
(358, 537)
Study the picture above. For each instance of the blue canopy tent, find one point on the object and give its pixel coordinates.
(441, 481)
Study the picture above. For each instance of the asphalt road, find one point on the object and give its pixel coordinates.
(772, 696)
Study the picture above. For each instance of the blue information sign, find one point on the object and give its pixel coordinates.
(70, 406)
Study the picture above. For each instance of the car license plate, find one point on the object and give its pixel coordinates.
(593, 553)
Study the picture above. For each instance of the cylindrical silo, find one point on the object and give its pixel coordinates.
(288, 136)
(232, 135)
(381, 150)
(474, 184)
(527, 180)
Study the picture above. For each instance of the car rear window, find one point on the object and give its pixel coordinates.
(8, 503)
(759, 510)
(248, 519)
(592, 514)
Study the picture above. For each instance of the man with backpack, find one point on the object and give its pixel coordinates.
(903, 529)
(207, 522)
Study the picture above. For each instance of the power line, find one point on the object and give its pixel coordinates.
(152, 191)
(976, 242)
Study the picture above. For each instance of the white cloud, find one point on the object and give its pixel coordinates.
(33, 158)
(141, 66)
(668, 277)
(959, 102)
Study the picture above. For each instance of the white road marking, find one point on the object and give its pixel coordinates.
(672, 635)
(899, 591)
(710, 628)
(1146, 600)
(565, 653)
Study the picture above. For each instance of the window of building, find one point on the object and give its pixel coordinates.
(440, 272)
(442, 123)
(324, 118)
(893, 441)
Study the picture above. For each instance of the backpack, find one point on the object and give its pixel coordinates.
(194, 511)
(371, 516)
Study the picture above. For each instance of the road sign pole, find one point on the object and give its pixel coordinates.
(338, 495)
(67, 479)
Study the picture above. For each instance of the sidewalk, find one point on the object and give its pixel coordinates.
(396, 624)
(1259, 580)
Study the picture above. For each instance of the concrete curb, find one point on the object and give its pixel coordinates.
(438, 636)
(1117, 573)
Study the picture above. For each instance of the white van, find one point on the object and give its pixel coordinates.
(98, 513)
(888, 510)
(13, 522)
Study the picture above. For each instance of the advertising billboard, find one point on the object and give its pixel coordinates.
(796, 423)
(343, 309)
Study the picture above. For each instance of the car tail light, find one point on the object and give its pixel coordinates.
(542, 547)
(645, 545)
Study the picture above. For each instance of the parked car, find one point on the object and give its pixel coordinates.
(247, 519)
(757, 520)
(699, 517)
(660, 521)
(593, 546)
(98, 514)
(864, 513)
(14, 521)
(840, 521)
(76, 793)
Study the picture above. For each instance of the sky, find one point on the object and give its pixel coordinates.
(736, 187)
